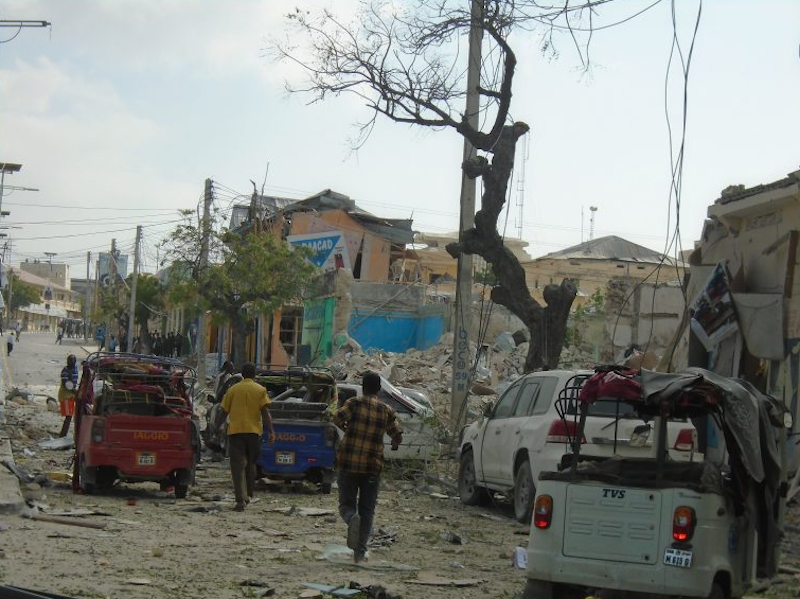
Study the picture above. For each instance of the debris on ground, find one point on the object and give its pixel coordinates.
(433, 579)
(451, 537)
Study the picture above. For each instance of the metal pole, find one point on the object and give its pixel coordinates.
(463, 305)
(10, 295)
(112, 285)
(86, 298)
(134, 279)
(201, 318)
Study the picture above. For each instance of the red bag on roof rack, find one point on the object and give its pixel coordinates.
(616, 384)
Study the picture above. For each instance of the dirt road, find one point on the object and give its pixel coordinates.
(152, 546)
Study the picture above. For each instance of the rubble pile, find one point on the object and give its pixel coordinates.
(431, 370)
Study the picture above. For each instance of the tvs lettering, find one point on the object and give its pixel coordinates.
(614, 493)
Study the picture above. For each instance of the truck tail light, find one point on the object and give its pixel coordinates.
(563, 431)
(683, 523)
(330, 436)
(687, 440)
(543, 511)
(99, 430)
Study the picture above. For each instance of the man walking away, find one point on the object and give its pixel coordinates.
(246, 405)
(364, 420)
(10, 342)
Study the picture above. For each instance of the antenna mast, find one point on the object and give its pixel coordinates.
(593, 210)
(526, 151)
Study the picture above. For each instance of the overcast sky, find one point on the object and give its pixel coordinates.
(122, 108)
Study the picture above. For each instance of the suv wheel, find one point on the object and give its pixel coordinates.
(524, 492)
(468, 489)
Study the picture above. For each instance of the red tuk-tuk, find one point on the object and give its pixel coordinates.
(134, 422)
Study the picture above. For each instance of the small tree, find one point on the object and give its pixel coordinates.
(150, 297)
(22, 294)
(248, 275)
(407, 66)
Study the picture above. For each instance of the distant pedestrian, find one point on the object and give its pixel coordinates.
(60, 334)
(365, 420)
(246, 405)
(225, 373)
(67, 392)
(18, 329)
(112, 344)
(10, 342)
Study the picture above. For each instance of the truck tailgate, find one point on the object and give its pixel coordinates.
(151, 432)
(612, 524)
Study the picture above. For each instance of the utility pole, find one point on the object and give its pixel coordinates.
(112, 288)
(463, 306)
(134, 278)
(10, 296)
(205, 227)
(86, 298)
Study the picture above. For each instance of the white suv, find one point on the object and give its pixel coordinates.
(523, 434)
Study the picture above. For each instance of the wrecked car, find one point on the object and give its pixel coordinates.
(653, 527)
(305, 436)
(522, 434)
(422, 438)
(134, 422)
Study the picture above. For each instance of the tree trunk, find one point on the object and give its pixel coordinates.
(240, 330)
(547, 325)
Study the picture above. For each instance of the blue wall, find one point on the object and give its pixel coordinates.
(395, 331)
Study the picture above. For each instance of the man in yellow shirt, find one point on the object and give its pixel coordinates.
(245, 405)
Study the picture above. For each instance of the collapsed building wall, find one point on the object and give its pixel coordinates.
(642, 314)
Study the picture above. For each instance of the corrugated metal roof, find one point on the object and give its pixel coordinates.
(610, 247)
(396, 230)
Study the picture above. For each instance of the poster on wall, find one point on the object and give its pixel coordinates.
(713, 313)
(105, 268)
(328, 249)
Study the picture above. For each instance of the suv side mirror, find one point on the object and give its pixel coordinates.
(488, 409)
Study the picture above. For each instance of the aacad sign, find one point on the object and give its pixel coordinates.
(328, 249)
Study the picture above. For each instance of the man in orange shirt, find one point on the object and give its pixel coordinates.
(364, 420)
(246, 406)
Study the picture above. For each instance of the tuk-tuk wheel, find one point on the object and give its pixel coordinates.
(325, 488)
(538, 589)
(717, 592)
(86, 487)
(181, 491)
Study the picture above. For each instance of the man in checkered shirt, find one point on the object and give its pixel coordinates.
(365, 420)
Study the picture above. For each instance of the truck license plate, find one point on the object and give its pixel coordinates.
(284, 457)
(146, 459)
(677, 557)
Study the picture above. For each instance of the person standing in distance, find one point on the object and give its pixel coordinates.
(364, 420)
(246, 405)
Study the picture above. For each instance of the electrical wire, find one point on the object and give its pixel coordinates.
(676, 168)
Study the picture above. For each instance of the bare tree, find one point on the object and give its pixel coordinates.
(406, 61)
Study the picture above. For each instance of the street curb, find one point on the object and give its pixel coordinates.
(11, 501)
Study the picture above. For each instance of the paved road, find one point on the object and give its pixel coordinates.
(36, 361)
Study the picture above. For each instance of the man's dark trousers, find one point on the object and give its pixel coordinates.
(243, 449)
(358, 493)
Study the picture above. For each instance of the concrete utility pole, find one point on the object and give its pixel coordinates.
(134, 278)
(205, 227)
(463, 306)
(112, 285)
(10, 296)
(86, 298)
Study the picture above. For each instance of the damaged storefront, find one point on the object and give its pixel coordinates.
(744, 317)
